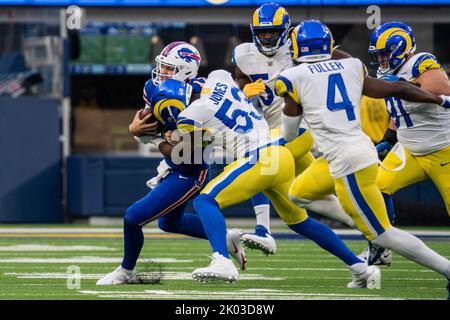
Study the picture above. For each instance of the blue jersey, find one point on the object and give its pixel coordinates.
(167, 111)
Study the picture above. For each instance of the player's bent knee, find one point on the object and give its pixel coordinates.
(302, 203)
(204, 200)
(384, 185)
(165, 225)
(297, 191)
(130, 218)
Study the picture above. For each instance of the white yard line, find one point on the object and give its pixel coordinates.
(260, 294)
(144, 275)
(89, 260)
(43, 247)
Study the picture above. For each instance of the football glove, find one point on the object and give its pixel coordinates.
(383, 148)
(389, 77)
(385, 145)
(154, 140)
(254, 88)
(446, 101)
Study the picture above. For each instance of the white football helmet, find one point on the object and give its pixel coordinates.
(181, 57)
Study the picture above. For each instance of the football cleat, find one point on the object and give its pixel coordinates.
(264, 243)
(377, 256)
(235, 248)
(118, 276)
(221, 268)
(371, 279)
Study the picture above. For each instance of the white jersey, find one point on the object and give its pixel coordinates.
(256, 66)
(330, 93)
(422, 128)
(224, 111)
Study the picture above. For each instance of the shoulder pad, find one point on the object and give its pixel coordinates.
(241, 52)
(197, 84)
(423, 63)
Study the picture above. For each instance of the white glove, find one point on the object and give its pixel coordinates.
(155, 140)
(163, 170)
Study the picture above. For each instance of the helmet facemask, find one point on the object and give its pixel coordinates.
(386, 58)
(269, 45)
(164, 71)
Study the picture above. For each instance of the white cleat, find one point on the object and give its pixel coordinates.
(377, 256)
(266, 244)
(221, 268)
(118, 276)
(371, 279)
(235, 248)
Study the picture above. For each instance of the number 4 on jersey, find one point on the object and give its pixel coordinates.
(336, 81)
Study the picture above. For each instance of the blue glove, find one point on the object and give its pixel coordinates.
(446, 102)
(383, 148)
(389, 77)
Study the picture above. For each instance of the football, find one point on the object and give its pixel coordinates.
(152, 118)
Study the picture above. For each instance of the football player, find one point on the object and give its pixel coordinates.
(224, 113)
(326, 93)
(257, 65)
(422, 129)
(175, 184)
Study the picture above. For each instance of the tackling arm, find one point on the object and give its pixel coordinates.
(187, 141)
(166, 148)
(435, 81)
(376, 88)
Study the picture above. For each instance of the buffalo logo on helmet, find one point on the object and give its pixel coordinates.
(188, 55)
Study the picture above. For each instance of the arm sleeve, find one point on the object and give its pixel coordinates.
(148, 91)
(289, 126)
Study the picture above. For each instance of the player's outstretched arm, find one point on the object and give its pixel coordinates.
(166, 149)
(376, 88)
(290, 118)
(188, 142)
(435, 81)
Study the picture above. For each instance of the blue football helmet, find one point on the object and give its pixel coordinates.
(390, 45)
(270, 17)
(312, 41)
(172, 89)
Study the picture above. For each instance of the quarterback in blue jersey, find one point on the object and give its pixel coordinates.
(175, 184)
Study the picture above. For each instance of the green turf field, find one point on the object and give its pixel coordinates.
(42, 266)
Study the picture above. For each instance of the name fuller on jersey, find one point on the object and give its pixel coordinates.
(325, 67)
